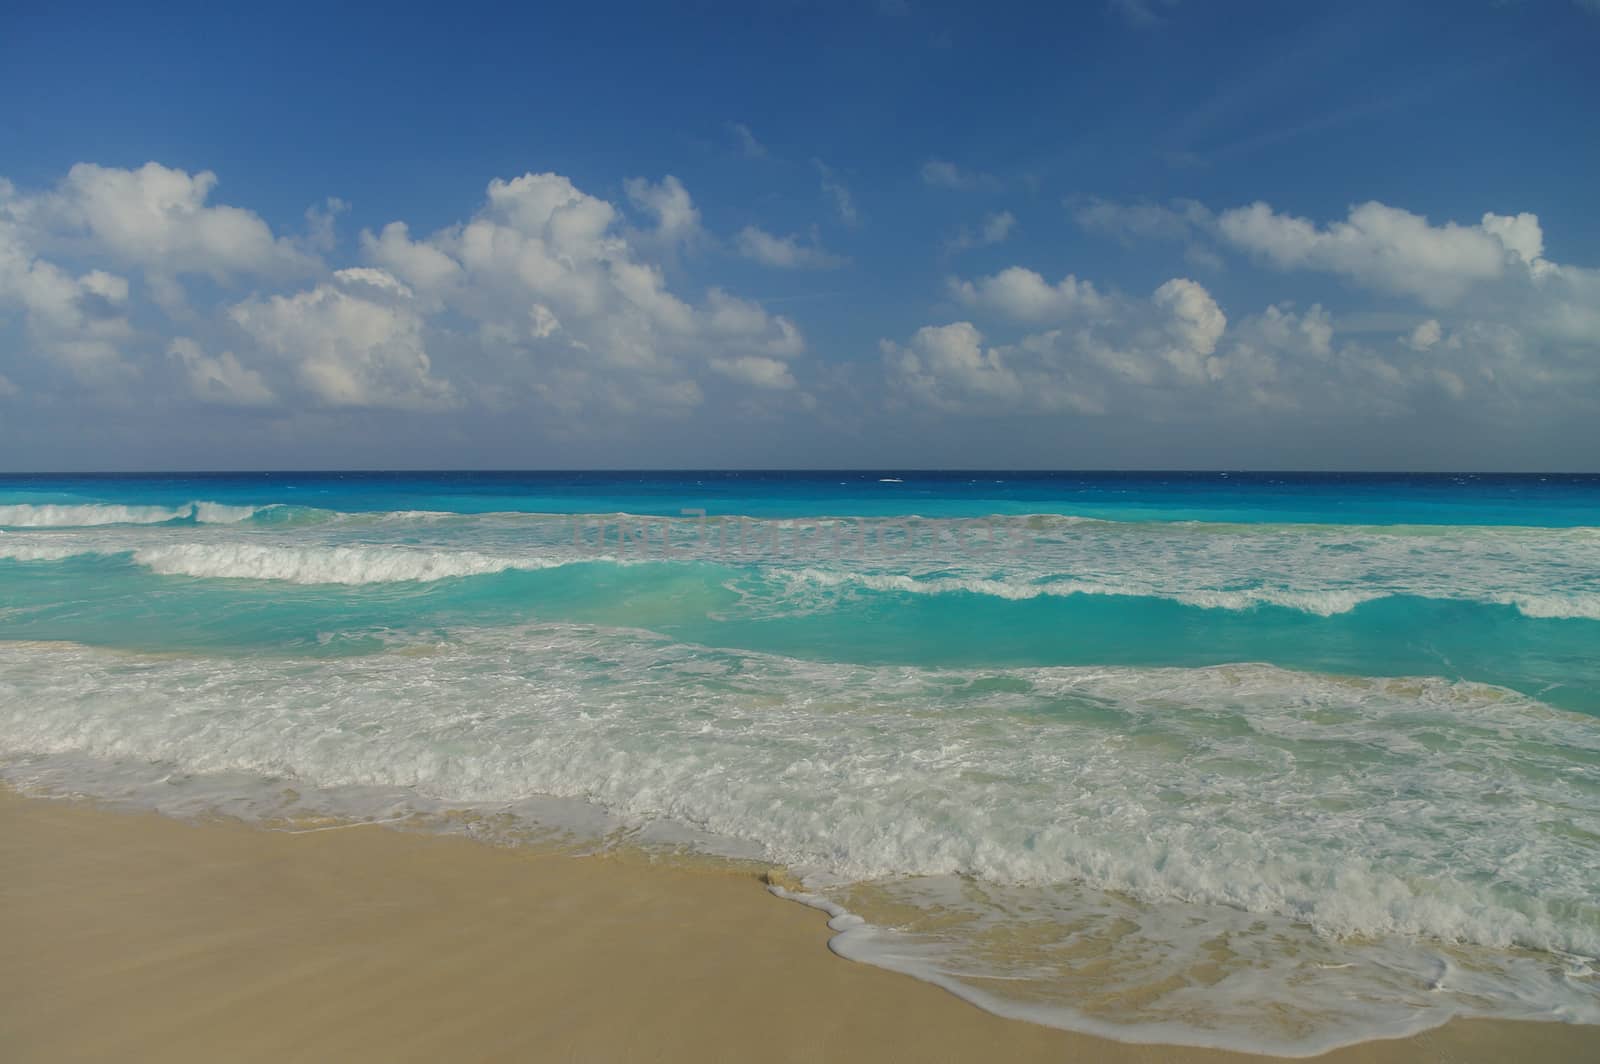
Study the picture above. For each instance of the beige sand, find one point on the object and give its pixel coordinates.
(130, 937)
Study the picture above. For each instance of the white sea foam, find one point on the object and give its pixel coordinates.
(1324, 603)
(14, 548)
(216, 513)
(323, 565)
(1257, 829)
(1319, 570)
(49, 515)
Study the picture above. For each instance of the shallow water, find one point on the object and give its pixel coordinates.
(1270, 762)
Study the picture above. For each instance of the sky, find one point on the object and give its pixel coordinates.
(1172, 234)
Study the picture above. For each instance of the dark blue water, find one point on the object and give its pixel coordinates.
(1553, 500)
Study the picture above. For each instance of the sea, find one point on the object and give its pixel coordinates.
(1266, 761)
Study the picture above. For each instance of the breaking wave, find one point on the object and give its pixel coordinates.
(85, 515)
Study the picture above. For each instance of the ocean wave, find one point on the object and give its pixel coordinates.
(84, 515)
(763, 589)
(1320, 602)
(324, 565)
(1572, 606)
(974, 784)
(1165, 810)
(10, 550)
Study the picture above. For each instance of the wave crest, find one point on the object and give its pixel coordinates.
(323, 565)
(86, 515)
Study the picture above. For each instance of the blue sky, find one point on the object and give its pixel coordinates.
(1167, 233)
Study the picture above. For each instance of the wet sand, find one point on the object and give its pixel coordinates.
(131, 937)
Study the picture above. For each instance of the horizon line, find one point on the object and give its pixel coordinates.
(830, 470)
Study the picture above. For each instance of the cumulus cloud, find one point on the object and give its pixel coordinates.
(158, 218)
(1176, 354)
(1528, 338)
(1425, 335)
(1504, 326)
(80, 320)
(785, 252)
(1103, 349)
(1377, 246)
(677, 219)
(757, 371)
(544, 295)
(995, 229)
(429, 269)
(1392, 249)
(546, 300)
(321, 220)
(220, 379)
(154, 219)
(949, 367)
(1023, 295)
(561, 298)
(356, 340)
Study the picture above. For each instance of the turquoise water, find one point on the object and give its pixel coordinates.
(1260, 760)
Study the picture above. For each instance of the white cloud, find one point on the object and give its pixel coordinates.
(835, 189)
(1505, 328)
(1105, 351)
(1019, 294)
(995, 229)
(320, 222)
(756, 371)
(425, 266)
(949, 367)
(7, 389)
(356, 340)
(1425, 335)
(784, 252)
(677, 219)
(1530, 342)
(1184, 221)
(564, 303)
(1379, 247)
(1172, 356)
(1179, 221)
(543, 296)
(941, 173)
(1391, 249)
(79, 321)
(221, 379)
(1195, 324)
(549, 300)
(752, 148)
(746, 323)
(156, 217)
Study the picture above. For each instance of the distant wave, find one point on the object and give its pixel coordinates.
(84, 515)
(1326, 602)
(358, 565)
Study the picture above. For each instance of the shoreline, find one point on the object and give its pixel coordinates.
(132, 936)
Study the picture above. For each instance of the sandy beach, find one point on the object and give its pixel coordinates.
(134, 937)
